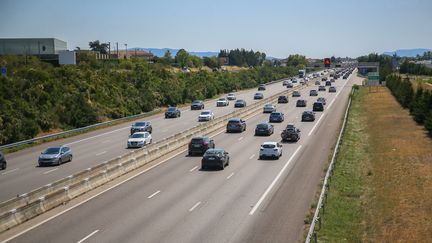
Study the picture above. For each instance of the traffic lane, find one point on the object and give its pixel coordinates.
(241, 150)
(274, 223)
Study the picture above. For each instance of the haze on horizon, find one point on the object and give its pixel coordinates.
(279, 28)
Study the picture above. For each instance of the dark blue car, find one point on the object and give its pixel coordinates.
(276, 117)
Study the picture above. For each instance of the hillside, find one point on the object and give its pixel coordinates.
(407, 52)
(159, 52)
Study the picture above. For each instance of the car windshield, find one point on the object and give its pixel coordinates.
(211, 152)
(230, 94)
(140, 124)
(205, 113)
(171, 109)
(262, 125)
(275, 114)
(268, 146)
(233, 121)
(52, 151)
(138, 135)
(222, 99)
(239, 101)
(197, 140)
(269, 106)
(196, 102)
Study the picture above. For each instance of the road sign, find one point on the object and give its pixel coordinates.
(3, 71)
(327, 62)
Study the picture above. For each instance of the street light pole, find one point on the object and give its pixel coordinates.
(126, 51)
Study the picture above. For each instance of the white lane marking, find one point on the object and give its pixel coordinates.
(240, 138)
(88, 236)
(154, 194)
(230, 175)
(194, 168)
(264, 195)
(106, 141)
(194, 206)
(103, 152)
(253, 155)
(100, 135)
(49, 171)
(10, 171)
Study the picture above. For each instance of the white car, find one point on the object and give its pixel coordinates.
(231, 96)
(139, 139)
(285, 82)
(270, 150)
(206, 116)
(269, 108)
(222, 102)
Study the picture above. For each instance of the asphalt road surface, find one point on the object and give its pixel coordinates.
(251, 200)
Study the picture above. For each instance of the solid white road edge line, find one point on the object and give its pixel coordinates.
(103, 152)
(49, 171)
(154, 194)
(194, 168)
(194, 206)
(10, 171)
(88, 236)
(270, 187)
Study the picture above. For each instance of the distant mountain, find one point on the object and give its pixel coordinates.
(159, 52)
(407, 52)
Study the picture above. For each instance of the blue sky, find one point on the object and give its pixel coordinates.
(277, 27)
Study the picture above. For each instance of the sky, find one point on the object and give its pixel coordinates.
(279, 28)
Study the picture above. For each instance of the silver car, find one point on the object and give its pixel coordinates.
(55, 156)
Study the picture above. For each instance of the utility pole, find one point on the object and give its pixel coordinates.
(117, 50)
(126, 51)
(109, 50)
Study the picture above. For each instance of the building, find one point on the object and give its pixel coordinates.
(45, 48)
(123, 54)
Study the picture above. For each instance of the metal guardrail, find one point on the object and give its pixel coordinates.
(324, 191)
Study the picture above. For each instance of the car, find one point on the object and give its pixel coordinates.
(324, 79)
(294, 80)
(270, 150)
(139, 140)
(264, 129)
(328, 83)
(206, 116)
(240, 103)
(318, 106)
(322, 100)
(289, 85)
(141, 126)
(296, 94)
(317, 82)
(199, 145)
(215, 157)
(172, 112)
(261, 87)
(345, 76)
(282, 99)
(258, 96)
(313, 92)
(3, 163)
(301, 103)
(332, 80)
(222, 102)
(231, 96)
(269, 108)
(276, 117)
(236, 125)
(290, 133)
(55, 156)
(302, 81)
(308, 115)
(321, 88)
(285, 82)
(332, 89)
(197, 105)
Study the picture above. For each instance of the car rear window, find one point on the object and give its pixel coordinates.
(197, 140)
(52, 151)
(171, 109)
(205, 113)
(233, 122)
(138, 135)
(262, 126)
(140, 124)
(268, 146)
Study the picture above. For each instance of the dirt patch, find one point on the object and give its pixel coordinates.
(399, 204)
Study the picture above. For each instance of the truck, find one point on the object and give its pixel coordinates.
(302, 73)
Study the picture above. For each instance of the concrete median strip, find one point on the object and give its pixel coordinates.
(29, 205)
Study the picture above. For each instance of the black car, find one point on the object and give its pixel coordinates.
(301, 103)
(313, 92)
(198, 145)
(197, 105)
(236, 125)
(264, 129)
(327, 83)
(142, 126)
(332, 89)
(308, 116)
(3, 163)
(290, 133)
(324, 79)
(296, 94)
(317, 82)
(322, 100)
(258, 96)
(321, 88)
(276, 117)
(318, 106)
(172, 112)
(215, 157)
(240, 103)
(261, 87)
(289, 85)
(283, 99)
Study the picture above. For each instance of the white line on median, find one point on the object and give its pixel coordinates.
(240, 138)
(194, 168)
(274, 182)
(103, 152)
(10, 171)
(154, 194)
(194, 206)
(100, 135)
(230, 175)
(49, 171)
(88, 236)
(253, 155)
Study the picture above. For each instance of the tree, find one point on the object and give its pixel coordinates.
(296, 60)
(167, 58)
(182, 58)
(97, 46)
(211, 62)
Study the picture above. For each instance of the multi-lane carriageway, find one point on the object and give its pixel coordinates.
(250, 201)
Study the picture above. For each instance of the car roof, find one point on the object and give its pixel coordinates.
(270, 142)
(205, 111)
(140, 133)
(216, 150)
(234, 119)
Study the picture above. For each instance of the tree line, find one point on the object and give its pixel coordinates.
(39, 97)
(415, 69)
(419, 101)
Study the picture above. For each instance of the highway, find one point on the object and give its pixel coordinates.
(90, 149)
(250, 201)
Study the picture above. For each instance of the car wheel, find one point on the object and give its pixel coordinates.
(222, 166)
(4, 166)
(59, 162)
(70, 158)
